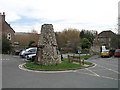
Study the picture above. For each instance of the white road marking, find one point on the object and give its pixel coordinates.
(102, 61)
(109, 69)
(77, 71)
(96, 75)
(16, 56)
(93, 72)
(22, 68)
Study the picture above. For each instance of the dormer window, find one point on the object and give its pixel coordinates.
(9, 36)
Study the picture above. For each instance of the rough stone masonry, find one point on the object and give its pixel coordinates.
(47, 53)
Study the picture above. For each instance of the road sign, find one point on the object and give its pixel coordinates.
(79, 50)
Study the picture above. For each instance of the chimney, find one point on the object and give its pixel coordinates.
(3, 13)
(96, 36)
(3, 16)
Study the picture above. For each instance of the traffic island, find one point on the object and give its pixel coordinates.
(64, 66)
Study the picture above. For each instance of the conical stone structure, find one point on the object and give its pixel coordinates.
(48, 49)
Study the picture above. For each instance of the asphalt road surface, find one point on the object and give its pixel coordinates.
(103, 75)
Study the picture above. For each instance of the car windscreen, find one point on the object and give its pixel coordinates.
(31, 49)
(104, 51)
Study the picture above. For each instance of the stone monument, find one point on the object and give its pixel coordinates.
(47, 49)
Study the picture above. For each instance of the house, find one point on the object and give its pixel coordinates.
(6, 29)
(104, 38)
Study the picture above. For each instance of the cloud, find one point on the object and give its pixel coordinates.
(87, 14)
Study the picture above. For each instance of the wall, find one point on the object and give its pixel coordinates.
(6, 28)
(0, 33)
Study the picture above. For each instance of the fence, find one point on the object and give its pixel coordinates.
(75, 58)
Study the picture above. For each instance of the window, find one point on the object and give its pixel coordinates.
(9, 36)
(33, 50)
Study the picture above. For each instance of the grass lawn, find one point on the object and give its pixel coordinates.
(63, 65)
(85, 57)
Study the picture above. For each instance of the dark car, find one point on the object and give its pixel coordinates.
(17, 52)
(117, 53)
(112, 52)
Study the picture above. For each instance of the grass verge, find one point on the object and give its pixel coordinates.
(63, 66)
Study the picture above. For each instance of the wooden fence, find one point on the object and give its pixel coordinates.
(75, 58)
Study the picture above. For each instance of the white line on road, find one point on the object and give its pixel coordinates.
(109, 69)
(22, 68)
(93, 72)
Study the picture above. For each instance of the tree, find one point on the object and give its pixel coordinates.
(6, 45)
(58, 40)
(25, 38)
(74, 44)
(90, 35)
(34, 36)
(114, 42)
(66, 37)
(30, 44)
(85, 43)
(82, 34)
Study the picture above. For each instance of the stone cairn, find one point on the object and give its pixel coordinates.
(47, 49)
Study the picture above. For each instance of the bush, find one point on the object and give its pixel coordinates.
(6, 45)
(85, 43)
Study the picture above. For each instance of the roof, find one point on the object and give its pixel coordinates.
(9, 26)
(106, 33)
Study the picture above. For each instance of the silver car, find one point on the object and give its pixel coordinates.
(28, 52)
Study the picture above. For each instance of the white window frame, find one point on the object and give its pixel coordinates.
(9, 36)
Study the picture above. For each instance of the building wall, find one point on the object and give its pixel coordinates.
(0, 23)
(6, 28)
(104, 39)
(0, 34)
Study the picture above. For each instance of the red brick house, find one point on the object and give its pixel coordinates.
(6, 29)
(104, 38)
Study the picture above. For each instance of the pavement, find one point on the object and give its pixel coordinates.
(103, 75)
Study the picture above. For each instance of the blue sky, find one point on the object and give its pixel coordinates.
(25, 15)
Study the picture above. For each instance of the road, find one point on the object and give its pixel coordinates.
(103, 75)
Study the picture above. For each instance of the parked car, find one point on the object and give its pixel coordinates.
(17, 52)
(117, 53)
(105, 53)
(112, 52)
(31, 57)
(28, 52)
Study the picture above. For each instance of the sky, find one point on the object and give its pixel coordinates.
(26, 15)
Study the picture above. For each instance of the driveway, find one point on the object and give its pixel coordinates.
(103, 75)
